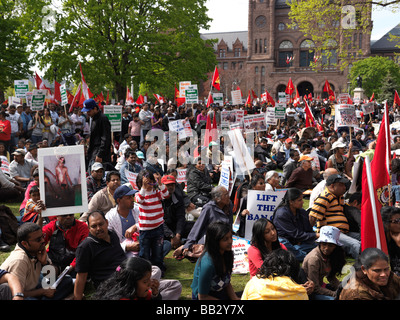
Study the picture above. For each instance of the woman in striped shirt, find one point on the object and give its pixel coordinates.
(151, 216)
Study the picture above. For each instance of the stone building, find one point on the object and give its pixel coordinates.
(256, 59)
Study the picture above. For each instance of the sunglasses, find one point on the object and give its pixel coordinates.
(397, 221)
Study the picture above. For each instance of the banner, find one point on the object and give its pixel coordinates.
(21, 87)
(368, 108)
(236, 97)
(261, 204)
(240, 247)
(280, 111)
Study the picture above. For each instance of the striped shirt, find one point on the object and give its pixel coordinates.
(328, 210)
(151, 212)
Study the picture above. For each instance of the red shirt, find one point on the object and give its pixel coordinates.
(5, 132)
(73, 236)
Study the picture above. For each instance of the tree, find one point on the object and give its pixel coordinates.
(389, 86)
(123, 41)
(374, 72)
(14, 56)
(336, 21)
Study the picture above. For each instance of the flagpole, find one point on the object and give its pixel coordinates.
(373, 203)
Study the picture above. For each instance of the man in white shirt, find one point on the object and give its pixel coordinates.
(16, 126)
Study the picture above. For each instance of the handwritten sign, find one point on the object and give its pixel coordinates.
(241, 261)
(261, 204)
(131, 176)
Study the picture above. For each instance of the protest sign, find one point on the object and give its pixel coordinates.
(343, 98)
(131, 176)
(345, 116)
(280, 111)
(282, 98)
(64, 96)
(240, 247)
(224, 177)
(218, 98)
(28, 97)
(38, 99)
(182, 88)
(244, 162)
(192, 94)
(5, 165)
(368, 108)
(261, 204)
(62, 180)
(181, 127)
(21, 87)
(181, 177)
(236, 97)
(270, 116)
(228, 117)
(114, 115)
(254, 123)
(14, 100)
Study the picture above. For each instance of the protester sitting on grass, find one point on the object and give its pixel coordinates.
(326, 260)
(213, 270)
(277, 279)
(131, 281)
(373, 279)
(391, 224)
(34, 206)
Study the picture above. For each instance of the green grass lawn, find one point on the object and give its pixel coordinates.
(179, 270)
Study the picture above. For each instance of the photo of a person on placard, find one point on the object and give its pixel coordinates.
(62, 180)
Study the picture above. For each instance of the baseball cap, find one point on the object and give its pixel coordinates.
(122, 191)
(305, 157)
(336, 178)
(88, 105)
(168, 179)
(140, 154)
(96, 166)
(338, 144)
(288, 140)
(20, 152)
(329, 234)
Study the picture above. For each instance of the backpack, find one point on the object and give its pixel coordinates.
(58, 252)
(8, 225)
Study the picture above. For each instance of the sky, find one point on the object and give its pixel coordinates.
(231, 15)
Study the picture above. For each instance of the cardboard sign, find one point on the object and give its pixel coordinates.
(131, 176)
(38, 99)
(21, 87)
(236, 97)
(192, 94)
(240, 246)
(182, 177)
(254, 123)
(114, 115)
(64, 96)
(261, 204)
(345, 116)
(270, 116)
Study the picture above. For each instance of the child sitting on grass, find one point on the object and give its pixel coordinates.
(34, 206)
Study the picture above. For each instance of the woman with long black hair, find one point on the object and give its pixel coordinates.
(213, 270)
(293, 226)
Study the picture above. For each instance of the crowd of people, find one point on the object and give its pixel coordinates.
(120, 243)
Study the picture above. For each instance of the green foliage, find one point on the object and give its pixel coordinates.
(14, 57)
(155, 41)
(374, 71)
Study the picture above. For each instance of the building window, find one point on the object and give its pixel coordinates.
(329, 57)
(233, 65)
(225, 65)
(262, 71)
(306, 53)
(285, 52)
(256, 70)
(281, 26)
(262, 88)
(222, 53)
(240, 65)
(360, 37)
(265, 45)
(255, 47)
(237, 52)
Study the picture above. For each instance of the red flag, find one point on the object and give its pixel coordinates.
(310, 96)
(296, 98)
(327, 88)
(208, 135)
(40, 84)
(215, 80)
(210, 100)
(100, 97)
(372, 97)
(75, 101)
(176, 95)
(159, 98)
(375, 181)
(289, 88)
(140, 99)
(270, 99)
(70, 97)
(396, 98)
(108, 98)
(248, 101)
(57, 92)
(349, 101)
(129, 98)
(241, 93)
(214, 128)
(87, 94)
(310, 121)
(254, 94)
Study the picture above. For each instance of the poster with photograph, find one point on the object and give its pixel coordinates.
(254, 123)
(368, 108)
(62, 180)
(345, 116)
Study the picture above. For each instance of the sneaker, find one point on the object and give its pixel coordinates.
(4, 246)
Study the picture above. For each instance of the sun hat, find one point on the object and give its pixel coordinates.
(329, 234)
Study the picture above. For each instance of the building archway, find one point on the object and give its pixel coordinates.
(305, 88)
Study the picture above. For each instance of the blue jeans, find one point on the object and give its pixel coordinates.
(299, 250)
(152, 246)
